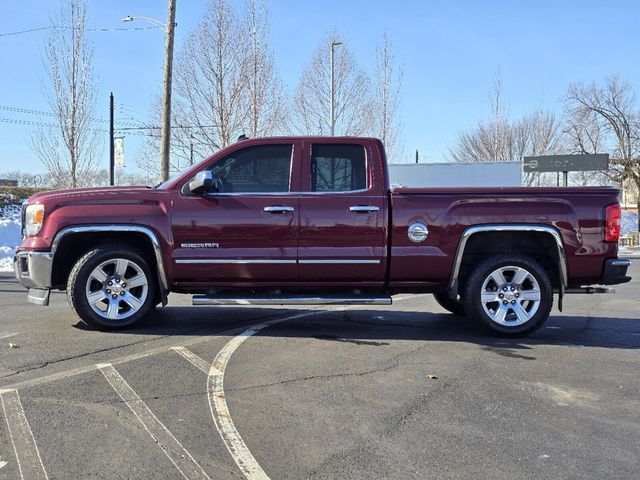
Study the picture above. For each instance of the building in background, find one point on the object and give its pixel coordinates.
(450, 175)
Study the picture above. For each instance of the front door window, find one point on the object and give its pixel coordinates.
(260, 169)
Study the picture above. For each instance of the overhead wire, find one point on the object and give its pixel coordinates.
(30, 111)
(60, 27)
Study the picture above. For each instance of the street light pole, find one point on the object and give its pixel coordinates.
(111, 140)
(332, 119)
(166, 110)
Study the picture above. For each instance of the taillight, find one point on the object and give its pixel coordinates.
(612, 223)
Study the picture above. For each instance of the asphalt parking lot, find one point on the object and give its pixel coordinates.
(341, 393)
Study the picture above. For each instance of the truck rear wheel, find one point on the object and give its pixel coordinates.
(449, 304)
(111, 287)
(511, 295)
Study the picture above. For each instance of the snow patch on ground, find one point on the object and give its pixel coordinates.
(629, 222)
(9, 235)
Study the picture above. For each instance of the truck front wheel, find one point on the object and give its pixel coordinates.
(111, 287)
(510, 294)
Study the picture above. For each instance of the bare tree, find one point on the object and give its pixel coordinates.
(387, 86)
(615, 107)
(584, 133)
(543, 137)
(210, 84)
(70, 150)
(225, 85)
(266, 106)
(492, 140)
(311, 101)
(501, 139)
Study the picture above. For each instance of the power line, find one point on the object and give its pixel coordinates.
(27, 122)
(8, 34)
(59, 27)
(26, 110)
(120, 29)
(16, 121)
(30, 111)
(176, 126)
(124, 130)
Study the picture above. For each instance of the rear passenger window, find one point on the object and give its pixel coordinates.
(338, 168)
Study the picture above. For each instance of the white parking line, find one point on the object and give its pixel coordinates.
(220, 411)
(7, 335)
(52, 377)
(195, 360)
(169, 444)
(24, 445)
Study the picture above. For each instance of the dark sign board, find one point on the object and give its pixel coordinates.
(8, 183)
(567, 163)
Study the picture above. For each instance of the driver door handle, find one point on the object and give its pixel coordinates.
(278, 209)
(364, 208)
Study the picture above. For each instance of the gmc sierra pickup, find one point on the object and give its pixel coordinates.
(305, 220)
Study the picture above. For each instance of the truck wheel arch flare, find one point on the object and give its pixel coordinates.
(469, 232)
(148, 232)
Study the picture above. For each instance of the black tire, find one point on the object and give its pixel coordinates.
(81, 282)
(446, 302)
(522, 316)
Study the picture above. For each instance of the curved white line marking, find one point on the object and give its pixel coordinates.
(218, 404)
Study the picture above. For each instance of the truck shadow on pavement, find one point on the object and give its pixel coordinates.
(376, 328)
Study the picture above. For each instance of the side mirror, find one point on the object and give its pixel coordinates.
(201, 183)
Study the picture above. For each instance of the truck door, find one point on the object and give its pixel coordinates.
(246, 231)
(342, 215)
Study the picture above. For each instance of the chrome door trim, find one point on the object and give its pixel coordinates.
(273, 261)
(345, 262)
(337, 192)
(242, 194)
(232, 260)
(453, 283)
(148, 232)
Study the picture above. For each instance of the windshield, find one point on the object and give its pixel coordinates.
(164, 185)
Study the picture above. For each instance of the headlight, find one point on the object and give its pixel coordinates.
(33, 218)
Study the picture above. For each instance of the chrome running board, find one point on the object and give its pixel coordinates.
(589, 290)
(290, 300)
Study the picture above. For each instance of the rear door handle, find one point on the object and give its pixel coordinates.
(364, 208)
(278, 209)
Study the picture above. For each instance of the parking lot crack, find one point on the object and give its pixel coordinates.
(395, 362)
(80, 355)
(156, 397)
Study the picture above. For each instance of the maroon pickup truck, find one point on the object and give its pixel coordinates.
(301, 220)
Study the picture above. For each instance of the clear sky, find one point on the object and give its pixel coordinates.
(449, 50)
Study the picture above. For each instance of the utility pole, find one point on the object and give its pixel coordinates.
(166, 110)
(332, 119)
(417, 157)
(111, 146)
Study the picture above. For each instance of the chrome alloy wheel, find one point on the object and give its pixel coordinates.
(510, 296)
(117, 288)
